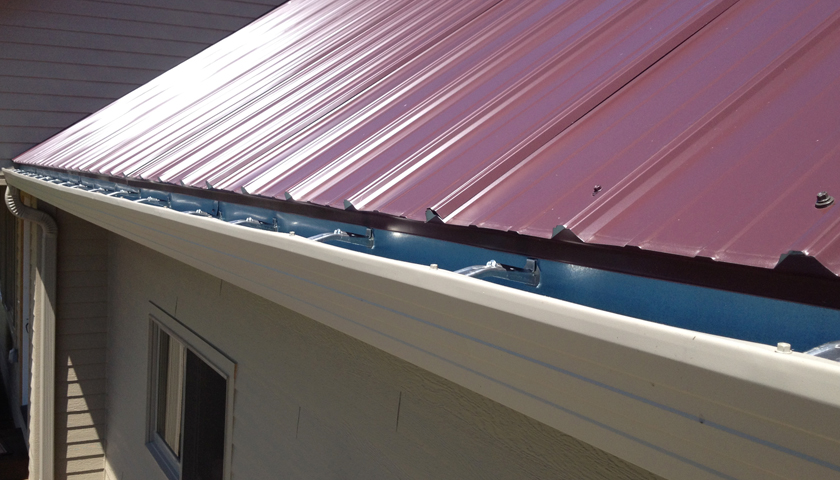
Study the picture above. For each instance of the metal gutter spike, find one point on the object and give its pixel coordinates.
(339, 235)
(529, 275)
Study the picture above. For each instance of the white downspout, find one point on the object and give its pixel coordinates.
(42, 395)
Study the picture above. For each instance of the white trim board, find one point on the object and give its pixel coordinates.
(681, 404)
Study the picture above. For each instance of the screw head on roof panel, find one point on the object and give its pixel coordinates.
(783, 347)
(596, 190)
(824, 200)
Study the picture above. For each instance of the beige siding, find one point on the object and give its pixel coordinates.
(81, 326)
(311, 402)
(61, 60)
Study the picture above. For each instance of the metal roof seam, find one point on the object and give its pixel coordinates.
(605, 88)
(452, 197)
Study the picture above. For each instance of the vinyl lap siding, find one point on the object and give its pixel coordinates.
(311, 402)
(61, 60)
(81, 326)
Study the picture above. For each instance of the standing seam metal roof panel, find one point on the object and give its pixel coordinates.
(708, 127)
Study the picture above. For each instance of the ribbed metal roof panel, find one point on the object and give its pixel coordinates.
(707, 128)
(493, 93)
(267, 81)
(715, 151)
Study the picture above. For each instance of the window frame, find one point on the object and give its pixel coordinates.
(209, 354)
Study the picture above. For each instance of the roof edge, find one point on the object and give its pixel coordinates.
(810, 286)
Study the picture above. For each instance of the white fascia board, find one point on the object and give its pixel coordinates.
(679, 403)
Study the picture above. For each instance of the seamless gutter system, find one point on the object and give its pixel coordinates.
(800, 282)
(698, 129)
(680, 403)
(718, 312)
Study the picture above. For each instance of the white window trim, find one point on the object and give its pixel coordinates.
(213, 357)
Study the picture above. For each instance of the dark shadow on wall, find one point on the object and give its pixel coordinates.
(14, 459)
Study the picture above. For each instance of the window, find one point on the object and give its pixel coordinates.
(190, 391)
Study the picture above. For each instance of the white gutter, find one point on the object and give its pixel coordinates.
(679, 403)
(42, 413)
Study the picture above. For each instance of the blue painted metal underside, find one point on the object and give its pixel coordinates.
(717, 312)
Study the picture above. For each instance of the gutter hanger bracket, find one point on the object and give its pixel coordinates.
(153, 201)
(250, 222)
(127, 194)
(339, 235)
(529, 275)
(199, 213)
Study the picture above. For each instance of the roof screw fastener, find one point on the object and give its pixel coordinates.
(433, 266)
(783, 347)
(596, 190)
(824, 200)
(292, 234)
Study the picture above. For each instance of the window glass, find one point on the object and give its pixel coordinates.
(170, 391)
(204, 422)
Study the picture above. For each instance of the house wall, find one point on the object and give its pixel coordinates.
(311, 402)
(61, 60)
(10, 334)
(81, 325)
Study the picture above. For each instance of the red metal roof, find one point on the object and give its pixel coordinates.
(708, 127)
